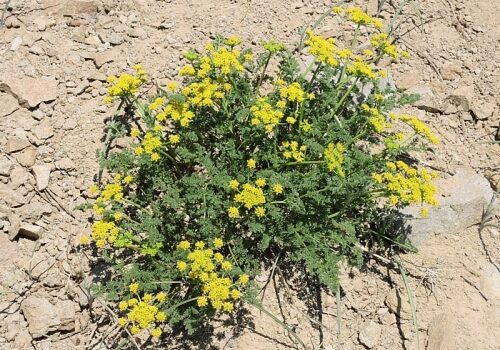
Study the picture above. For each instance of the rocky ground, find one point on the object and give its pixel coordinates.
(54, 58)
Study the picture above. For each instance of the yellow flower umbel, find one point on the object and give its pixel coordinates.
(211, 271)
(407, 185)
(142, 313)
(126, 84)
(322, 49)
(334, 158)
(294, 151)
(264, 113)
(419, 127)
(293, 93)
(250, 196)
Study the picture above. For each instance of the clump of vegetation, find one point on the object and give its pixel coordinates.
(240, 164)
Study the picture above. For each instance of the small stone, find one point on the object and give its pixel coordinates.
(428, 101)
(482, 110)
(114, 39)
(16, 43)
(42, 175)
(104, 57)
(38, 114)
(30, 231)
(30, 92)
(462, 97)
(5, 166)
(37, 50)
(16, 144)
(398, 304)
(12, 22)
(8, 104)
(27, 157)
(15, 224)
(41, 22)
(44, 317)
(18, 176)
(370, 333)
(451, 71)
(69, 7)
(490, 284)
(407, 80)
(43, 130)
(65, 164)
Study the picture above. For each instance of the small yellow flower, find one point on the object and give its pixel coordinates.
(161, 297)
(226, 265)
(244, 278)
(234, 184)
(424, 212)
(172, 86)
(174, 139)
(134, 287)
(251, 164)
(184, 245)
(161, 316)
(94, 189)
(218, 257)
(135, 132)
(233, 40)
(147, 298)
(84, 240)
(156, 332)
(122, 321)
(123, 305)
(200, 245)
(135, 330)
(155, 156)
(181, 266)
(278, 188)
(260, 212)
(218, 243)
(233, 212)
(138, 150)
(202, 301)
(235, 294)
(128, 179)
(118, 216)
(228, 307)
(291, 120)
(260, 182)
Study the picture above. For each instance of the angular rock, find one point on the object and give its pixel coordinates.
(441, 332)
(8, 104)
(450, 71)
(43, 317)
(27, 157)
(428, 101)
(104, 57)
(16, 43)
(43, 130)
(370, 333)
(490, 285)
(482, 110)
(10, 196)
(18, 176)
(5, 166)
(15, 224)
(30, 92)
(42, 175)
(462, 98)
(15, 144)
(65, 164)
(69, 7)
(462, 200)
(30, 231)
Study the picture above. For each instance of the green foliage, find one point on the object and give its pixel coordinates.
(291, 162)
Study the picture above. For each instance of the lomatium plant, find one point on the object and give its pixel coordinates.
(240, 163)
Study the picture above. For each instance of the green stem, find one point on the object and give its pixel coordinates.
(342, 100)
(261, 78)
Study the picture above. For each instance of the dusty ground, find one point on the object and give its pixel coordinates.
(51, 131)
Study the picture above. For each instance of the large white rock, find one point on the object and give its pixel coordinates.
(43, 317)
(461, 203)
(30, 92)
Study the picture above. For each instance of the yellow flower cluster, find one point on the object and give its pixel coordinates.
(322, 49)
(227, 60)
(419, 127)
(293, 150)
(361, 69)
(250, 196)
(143, 312)
(294, 93)
(377, 119)
(177, 111)
(104, 231)
(112, 191)
(381, 42)
(273, 46)
(264, 113)
(208, 268)
(360, 17)
(203, 93)
(149, 145)
(334, 158)
(408, 185)
(126, 84)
